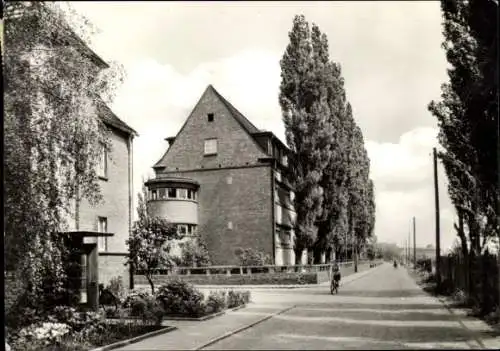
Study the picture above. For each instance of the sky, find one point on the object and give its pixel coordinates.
(391, 58)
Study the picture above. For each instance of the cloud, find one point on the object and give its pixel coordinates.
(404, 187)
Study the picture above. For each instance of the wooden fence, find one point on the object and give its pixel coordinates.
(481, 284)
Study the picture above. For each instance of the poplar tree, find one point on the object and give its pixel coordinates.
(467, 117)
(305, 112)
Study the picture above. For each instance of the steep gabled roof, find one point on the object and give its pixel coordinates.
(249, 127)
(109, 117)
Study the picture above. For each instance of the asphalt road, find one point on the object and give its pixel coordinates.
(384, 309)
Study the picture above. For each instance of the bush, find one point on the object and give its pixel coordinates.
(40, 335)
(134, 294)
(181, 298)
(251, 257)
(246, 296)
(194, 253)
(236, 298)
(148, 309)
(117, 288)
(216, 301)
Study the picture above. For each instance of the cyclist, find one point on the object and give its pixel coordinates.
(336, 276)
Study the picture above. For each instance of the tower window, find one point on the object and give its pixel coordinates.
(210, 117)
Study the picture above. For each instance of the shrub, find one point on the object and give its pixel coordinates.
(117, 288)
(235, 299)
(216, 301)
(251, 257)
(246, 296)
(181, 298)
(148, 309)
(40, 335)
(195, 253)
(134, 294)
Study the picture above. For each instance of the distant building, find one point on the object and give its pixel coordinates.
(225, 180)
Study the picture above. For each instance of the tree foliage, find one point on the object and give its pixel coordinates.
(51, 135)
(334, 195)
(252, 257)
(307, 129)
(195, 253)
(150, 241)
(467, 117)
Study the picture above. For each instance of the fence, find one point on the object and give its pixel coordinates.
(240, 270)
(482, 282)
(241, 275)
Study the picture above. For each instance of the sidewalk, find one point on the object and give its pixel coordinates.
(194, 335)
(486, 336)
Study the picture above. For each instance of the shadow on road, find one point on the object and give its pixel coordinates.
(383, 293)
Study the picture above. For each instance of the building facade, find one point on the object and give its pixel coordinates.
(108, 224)
(226, 181)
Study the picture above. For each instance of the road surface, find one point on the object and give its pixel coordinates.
(383, 309)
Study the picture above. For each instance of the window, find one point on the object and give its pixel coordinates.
(284, 160)
(172, 193)
(162, 193)
(190, 194)
(102, 170)
(154, 195)
(83, 279)
(210, 117)
(182, 193)
(102, 227)
(182, 229)
(210, 146)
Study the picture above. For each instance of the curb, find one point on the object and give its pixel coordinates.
(196, 319)
(134, 340)
(228, 334)
(204, 318)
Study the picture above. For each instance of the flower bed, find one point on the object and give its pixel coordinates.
(178, 300)
(67, 329)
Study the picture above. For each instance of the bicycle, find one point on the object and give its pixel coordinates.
(334, 286)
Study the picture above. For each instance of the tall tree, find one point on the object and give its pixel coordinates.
(51, 135)
(308, 132)
(467, 116)
(331, 225)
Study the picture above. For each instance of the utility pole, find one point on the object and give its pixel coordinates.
(498, 194)
(438, 234)
(406, 252)
(409, 246)
(414, 244)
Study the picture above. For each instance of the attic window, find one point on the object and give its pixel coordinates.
(210, 117)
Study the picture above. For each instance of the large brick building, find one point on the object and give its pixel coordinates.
(226, 181)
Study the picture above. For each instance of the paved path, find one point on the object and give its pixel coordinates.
(381, 308)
